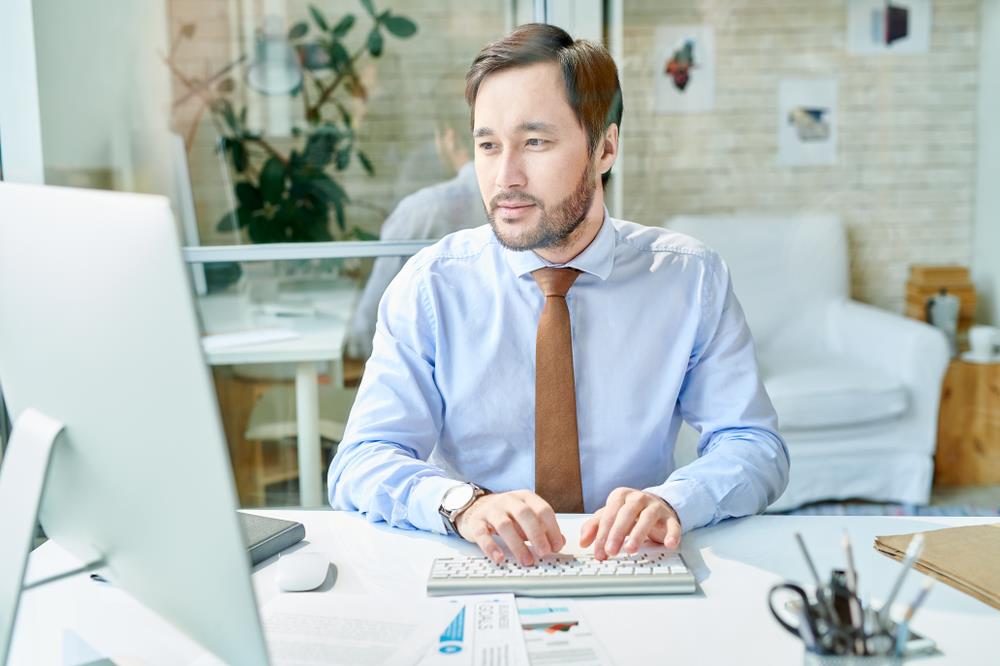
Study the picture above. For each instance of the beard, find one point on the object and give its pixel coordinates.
(554, 227)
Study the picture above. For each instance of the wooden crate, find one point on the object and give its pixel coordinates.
(926, 281)
(968, 447)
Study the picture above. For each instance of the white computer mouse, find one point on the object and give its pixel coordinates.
(299, 572)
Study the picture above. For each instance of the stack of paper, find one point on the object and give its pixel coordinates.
(963, 557)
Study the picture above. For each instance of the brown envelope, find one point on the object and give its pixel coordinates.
(967, 558)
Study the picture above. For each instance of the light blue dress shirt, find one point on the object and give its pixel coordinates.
(658, 337)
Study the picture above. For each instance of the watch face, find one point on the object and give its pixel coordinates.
(457, 497)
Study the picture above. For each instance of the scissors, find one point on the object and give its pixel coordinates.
(790, 606)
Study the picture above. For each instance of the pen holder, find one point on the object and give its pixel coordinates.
(813, 659)
(827, 644)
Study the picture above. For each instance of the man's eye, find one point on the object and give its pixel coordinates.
(486, 145)
(536, 142)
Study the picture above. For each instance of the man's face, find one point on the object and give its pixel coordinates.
(532, 160)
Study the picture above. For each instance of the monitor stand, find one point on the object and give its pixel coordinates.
(22, 482)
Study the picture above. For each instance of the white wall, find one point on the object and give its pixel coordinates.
(20, 135)
(986, 237)
(104, 92)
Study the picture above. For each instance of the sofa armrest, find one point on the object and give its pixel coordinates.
(910, 349)
(916, 353)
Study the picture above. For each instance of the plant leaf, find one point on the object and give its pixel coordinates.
(345, 115)
(228, 222)
(369, 7)
(239, 151)
(338, 209)
(366, 163)
(339, 57)
(319, 149)
(343, 26)
(298, 30)
(272, 180)
(400, 26)
(326, 189)
(375, 42)
(318, 17)
(343, 158)
(249, 196)
(361, 234)
(226, 109)
(226, 85)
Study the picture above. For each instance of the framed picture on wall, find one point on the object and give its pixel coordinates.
(807, 122)
(684, 69)
(888, 26)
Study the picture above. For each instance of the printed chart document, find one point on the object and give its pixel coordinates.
(483, 630)
(307, 629)
(557, 633)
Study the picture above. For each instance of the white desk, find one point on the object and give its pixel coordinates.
(726, 622)
(321, 340)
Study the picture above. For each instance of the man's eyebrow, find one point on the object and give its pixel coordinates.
(529, 126)
(536, 126)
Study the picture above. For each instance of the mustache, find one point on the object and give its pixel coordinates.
(513, 197)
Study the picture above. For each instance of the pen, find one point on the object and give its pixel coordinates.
(857, 613)
(903, 630)
(824, 602)
(912, 553)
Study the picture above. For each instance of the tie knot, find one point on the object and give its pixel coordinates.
(555, 281)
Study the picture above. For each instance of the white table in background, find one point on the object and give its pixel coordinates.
(726, 622)
(321, 340)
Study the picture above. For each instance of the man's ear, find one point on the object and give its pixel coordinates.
(608, 149)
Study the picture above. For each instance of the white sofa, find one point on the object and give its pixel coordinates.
(856, 388)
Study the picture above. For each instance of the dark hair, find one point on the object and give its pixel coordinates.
(589, 72)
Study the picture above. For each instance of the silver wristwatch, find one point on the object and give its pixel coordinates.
(456, 500)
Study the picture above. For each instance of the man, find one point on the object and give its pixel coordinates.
(429, 213)
(557, 349)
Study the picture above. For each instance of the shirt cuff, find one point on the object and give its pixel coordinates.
(425, 500)
(692, 503)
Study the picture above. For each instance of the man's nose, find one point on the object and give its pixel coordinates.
(511, 172)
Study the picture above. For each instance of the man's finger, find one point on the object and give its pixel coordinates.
(674, 533)
(504, 524)
(648, 519)
(589, 529)
(547, 523)
(482, 538)
(624, 522)
(615, 502)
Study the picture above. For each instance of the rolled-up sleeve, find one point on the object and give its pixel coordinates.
(381, 467)
(742, 463)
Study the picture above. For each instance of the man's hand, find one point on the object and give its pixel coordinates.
(517, 516)
(630, 517)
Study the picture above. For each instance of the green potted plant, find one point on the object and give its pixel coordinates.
(294, 194)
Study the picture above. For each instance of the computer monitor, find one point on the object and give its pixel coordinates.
(99, 332)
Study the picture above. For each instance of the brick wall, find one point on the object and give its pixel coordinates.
(905, 174)
(903, 182)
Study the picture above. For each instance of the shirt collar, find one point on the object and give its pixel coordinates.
(598, 258)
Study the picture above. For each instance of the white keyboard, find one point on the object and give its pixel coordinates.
(564, 576)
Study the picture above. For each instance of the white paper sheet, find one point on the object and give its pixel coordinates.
(306, 629)
(557, 633)
(483, 630)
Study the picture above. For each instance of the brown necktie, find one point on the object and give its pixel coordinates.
(557, 448)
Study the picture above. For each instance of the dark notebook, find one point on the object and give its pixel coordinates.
(266, 537)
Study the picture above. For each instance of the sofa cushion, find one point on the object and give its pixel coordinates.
(833, 392)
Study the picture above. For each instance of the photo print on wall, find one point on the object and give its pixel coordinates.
(684, 69)
(893, 26)
(807, 122)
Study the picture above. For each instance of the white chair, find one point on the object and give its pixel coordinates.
(856, 388)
